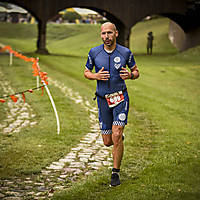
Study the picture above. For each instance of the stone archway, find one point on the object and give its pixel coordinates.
(124, 14)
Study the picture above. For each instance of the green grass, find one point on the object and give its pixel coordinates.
(162, 145)
(21, 153)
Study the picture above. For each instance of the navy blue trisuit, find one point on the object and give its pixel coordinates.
(98, 57)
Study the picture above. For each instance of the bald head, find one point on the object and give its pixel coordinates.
(108, 25)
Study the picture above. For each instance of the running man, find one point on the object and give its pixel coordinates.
(110, 60)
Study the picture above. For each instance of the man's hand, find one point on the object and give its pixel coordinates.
(125, 74)
(102, 75)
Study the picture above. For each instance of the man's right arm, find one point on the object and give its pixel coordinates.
(90, 75)
(100, 75)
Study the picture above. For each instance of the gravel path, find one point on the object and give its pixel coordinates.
(18, 115)
(89, 155)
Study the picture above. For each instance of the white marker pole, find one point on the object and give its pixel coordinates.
(52, 102)
(38, 82)
(11, 59)
(54, 106)
(38, 78)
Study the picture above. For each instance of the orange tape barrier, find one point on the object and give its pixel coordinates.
(36, 72)
(15, 99)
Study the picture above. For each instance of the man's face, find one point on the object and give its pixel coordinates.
(108, 34)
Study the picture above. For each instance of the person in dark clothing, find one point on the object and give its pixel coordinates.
(150, 42)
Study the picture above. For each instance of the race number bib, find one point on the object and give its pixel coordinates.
(114, 99)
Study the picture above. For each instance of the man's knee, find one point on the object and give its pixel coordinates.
(108, 143)
(117, 137)
(107, 140)
(117, 133)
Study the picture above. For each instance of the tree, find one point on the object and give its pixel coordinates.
(6, 5)
(71, 16)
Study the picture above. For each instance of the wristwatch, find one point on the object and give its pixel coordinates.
(132, 76)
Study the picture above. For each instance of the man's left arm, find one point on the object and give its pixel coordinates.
(133, 74)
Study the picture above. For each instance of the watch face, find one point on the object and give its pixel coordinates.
(132, 75)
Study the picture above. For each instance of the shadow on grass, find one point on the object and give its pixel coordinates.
(33, 54)
(155, 54)
(185, 195)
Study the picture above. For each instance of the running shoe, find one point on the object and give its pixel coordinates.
(115, 181)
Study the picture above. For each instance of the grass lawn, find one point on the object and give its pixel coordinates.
(162, 147)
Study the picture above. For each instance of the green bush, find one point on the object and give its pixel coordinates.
(71, 16)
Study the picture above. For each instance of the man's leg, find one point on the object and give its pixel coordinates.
(118, 146)
(120, 116)
(117, 151)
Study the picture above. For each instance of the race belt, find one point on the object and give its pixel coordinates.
(114, 98)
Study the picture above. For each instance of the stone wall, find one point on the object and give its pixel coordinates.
(183, 40)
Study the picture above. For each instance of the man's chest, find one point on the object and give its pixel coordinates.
(111, 63)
